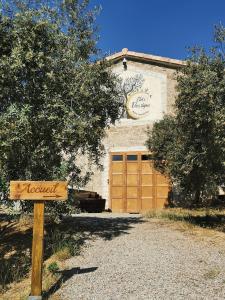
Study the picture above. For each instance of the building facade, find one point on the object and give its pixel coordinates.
(128, 181)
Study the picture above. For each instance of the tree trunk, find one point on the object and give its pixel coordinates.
(197, 198)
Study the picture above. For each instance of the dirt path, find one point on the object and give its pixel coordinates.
(132, 258)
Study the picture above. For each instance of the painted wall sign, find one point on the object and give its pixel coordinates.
(138, 105)
(38, 190)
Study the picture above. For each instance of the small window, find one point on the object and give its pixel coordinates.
(146, 157)
(117, 158)
(131, 157)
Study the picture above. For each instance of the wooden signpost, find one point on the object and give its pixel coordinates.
(38, 191)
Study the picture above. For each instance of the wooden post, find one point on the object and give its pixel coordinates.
(37, 250)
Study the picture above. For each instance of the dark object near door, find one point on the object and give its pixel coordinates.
(92, 205)
(88, 201)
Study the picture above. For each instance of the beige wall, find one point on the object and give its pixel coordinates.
(129, 134)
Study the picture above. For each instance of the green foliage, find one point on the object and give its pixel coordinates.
(161, 140)
(53, 267)
(55, 103)
(190, 147)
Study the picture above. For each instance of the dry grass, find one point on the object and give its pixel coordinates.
(205, 218)
(63, 254)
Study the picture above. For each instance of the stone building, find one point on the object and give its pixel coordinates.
(128, 180)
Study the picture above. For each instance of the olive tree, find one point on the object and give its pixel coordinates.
(56, 100)
(190, 147)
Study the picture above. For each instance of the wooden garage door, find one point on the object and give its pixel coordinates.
(135, 186)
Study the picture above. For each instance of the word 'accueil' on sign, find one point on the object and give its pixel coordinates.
(38, 190)
(138, 105)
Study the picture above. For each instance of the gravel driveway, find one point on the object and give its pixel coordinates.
(133, 258)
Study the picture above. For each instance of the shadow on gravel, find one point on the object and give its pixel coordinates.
(106, 228)
(64, 276)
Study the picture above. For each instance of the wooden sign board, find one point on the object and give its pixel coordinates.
(38, 190)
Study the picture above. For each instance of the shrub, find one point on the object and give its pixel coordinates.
(53, 267)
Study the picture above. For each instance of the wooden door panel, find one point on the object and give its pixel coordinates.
(132, 192)
(147, 191)
(147, 204)
(161, 180)
(117, 192)
(146, 179)
(132, 179)
(117, 167)
(132, 168)
(132, 205)
(117, 180)
(117, 205)
(147, 167)
(161, 202)
(154, 185)
(162, 191)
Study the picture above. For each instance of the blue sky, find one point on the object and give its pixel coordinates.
(160, 27)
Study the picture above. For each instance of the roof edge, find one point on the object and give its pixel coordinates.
(146, 57)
